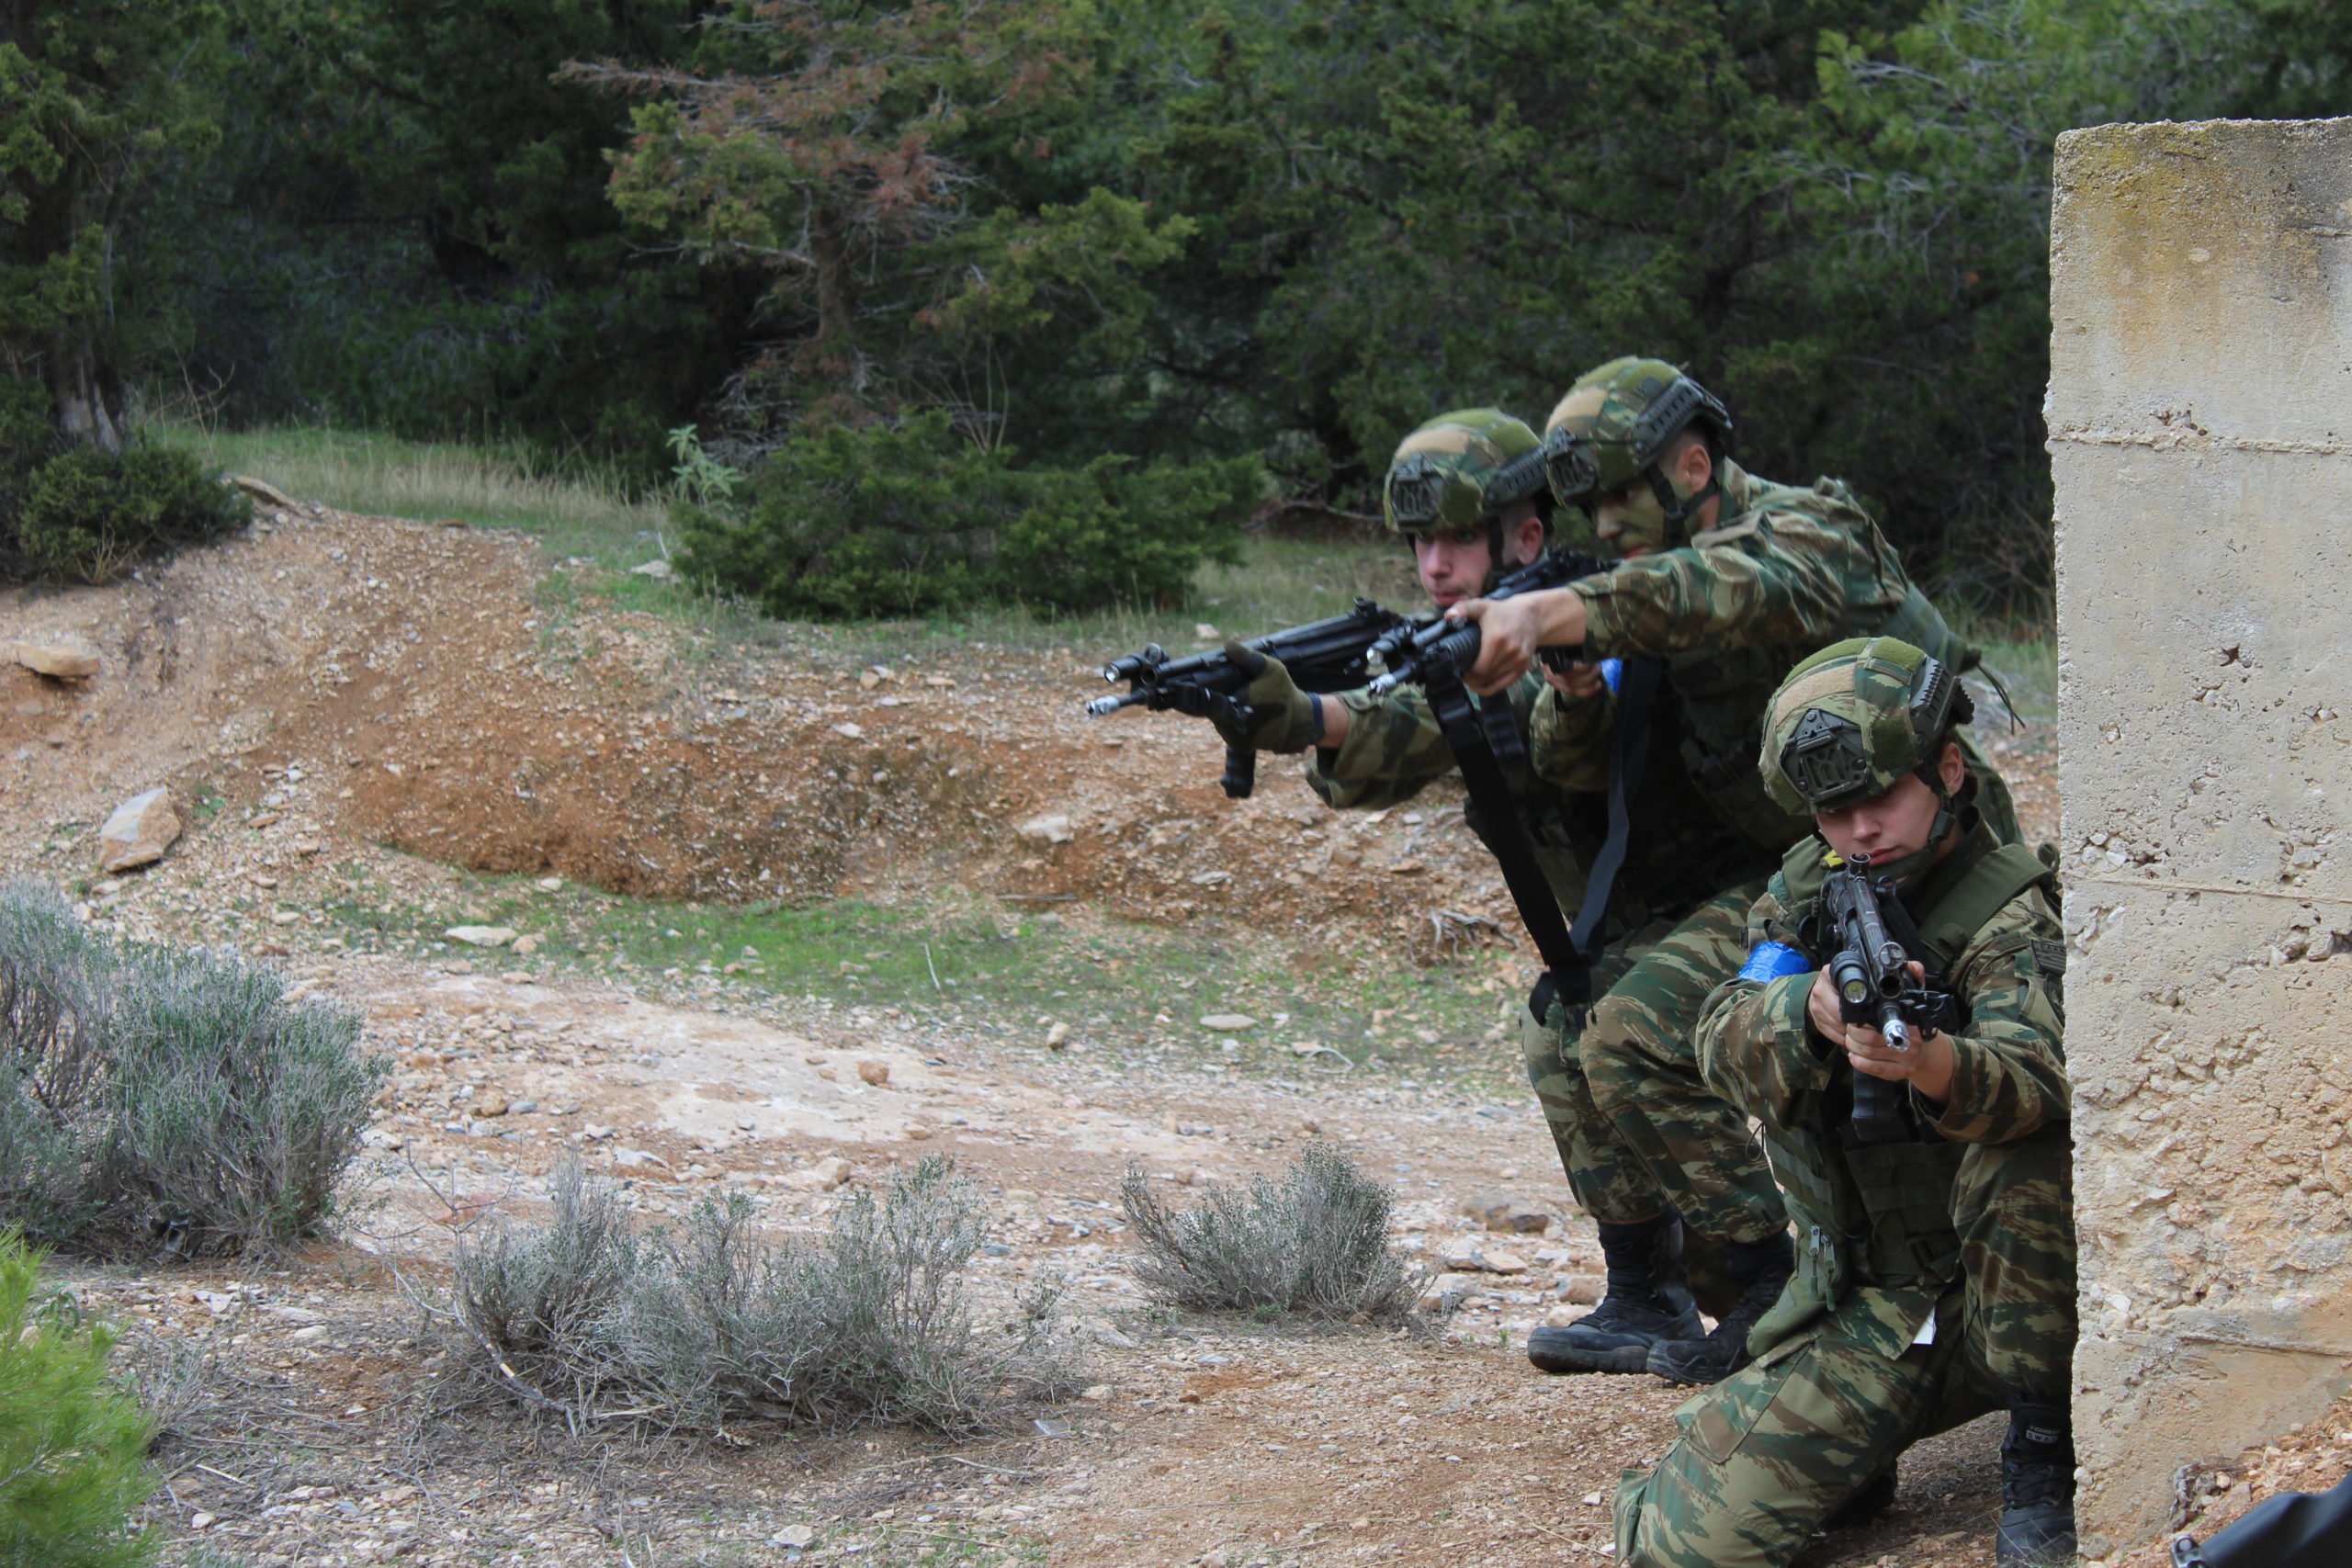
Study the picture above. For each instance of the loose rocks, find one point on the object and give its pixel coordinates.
(138, 832)
(1499, 1211)
(65, 659)
(827, 1174)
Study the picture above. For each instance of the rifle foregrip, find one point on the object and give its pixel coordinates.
(1459, 648)
(1240, 771)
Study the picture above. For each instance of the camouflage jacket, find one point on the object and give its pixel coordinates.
(1875, 1231)
(1787, 571)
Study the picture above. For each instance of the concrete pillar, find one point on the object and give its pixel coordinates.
(2200, 436)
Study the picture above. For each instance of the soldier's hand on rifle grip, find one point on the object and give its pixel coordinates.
(1578, 680)
(1927, 1066)
(1513, 630)
(1273, 714)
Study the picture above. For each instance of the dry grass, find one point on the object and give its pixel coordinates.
(1312, 1243)
(703, 1327)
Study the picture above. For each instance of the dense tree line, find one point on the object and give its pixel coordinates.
(1254, 230)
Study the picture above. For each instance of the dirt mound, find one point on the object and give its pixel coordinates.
(340, 681)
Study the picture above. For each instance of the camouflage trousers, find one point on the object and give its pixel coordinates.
(1638, 1130)
(1768, 1454)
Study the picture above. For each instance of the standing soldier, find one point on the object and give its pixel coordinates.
(1937, 1277)
(1727, 580)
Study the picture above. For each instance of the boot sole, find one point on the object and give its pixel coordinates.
(1627, 1359)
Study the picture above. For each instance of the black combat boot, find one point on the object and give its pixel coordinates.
(2037, 1488)
(1647, 1301)
(1759, 1269)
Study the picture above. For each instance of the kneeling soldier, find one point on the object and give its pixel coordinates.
(1936, 1255)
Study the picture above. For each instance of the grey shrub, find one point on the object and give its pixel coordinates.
(707, 1324)
(153, 1097)
(1312, 1242)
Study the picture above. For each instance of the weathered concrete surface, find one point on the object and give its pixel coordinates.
(2200, 423)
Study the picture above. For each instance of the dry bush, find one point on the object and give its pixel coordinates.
(705, 1325)
(1310, 1243)
(157, 1096)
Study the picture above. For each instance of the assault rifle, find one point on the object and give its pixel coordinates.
(1434, 648)
(1322, 656)
(1871, 972)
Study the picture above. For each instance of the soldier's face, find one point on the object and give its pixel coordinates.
(1886, 827)
(1454, 564)
(1895, 824)
(1629, 521)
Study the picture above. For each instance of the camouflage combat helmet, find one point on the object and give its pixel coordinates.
(1852, 719)
(1616, 422)
(1460, 470)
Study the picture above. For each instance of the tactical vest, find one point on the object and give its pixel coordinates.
(1881, 1214)
(1549, 817)
(1725, 691)
(1678, 855)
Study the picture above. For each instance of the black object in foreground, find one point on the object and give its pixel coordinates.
(2293, 1530)
(1414, 651)
(1322, 656)
(1871, 971)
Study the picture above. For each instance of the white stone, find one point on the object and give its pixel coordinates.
(480, 936)
(660, 571)
(63, 658)
(1228, 1022)
(1051, 828)
(827, 1174)
(139, 831)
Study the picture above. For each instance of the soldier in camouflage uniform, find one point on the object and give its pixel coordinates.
(1728, 579)
(1469, 492)
(1937, 1280)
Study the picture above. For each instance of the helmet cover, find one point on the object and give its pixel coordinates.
(1460, 470)
(1852, 719)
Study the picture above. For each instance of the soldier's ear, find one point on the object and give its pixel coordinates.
(1694, 464)
(1530, 535)
(1951, 767)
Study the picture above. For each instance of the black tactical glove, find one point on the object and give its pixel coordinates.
(1278, 717)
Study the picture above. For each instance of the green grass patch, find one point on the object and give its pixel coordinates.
(579, 508)
(584, 513)
(2023, 656)
(1121, 986)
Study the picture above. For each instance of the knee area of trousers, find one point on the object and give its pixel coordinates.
(1664, 1520)
(1623, 1030)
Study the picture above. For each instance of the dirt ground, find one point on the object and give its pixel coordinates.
(362, 718)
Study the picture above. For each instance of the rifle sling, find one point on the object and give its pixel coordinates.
(1569, 976)
(1629, 760)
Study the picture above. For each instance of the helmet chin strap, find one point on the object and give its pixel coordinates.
(1680, 510)
(1953, 811)
(1496, 566)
